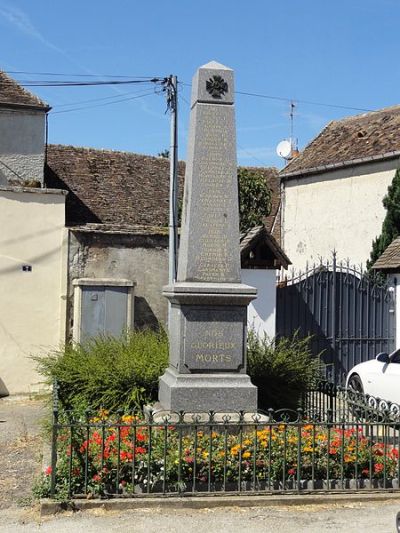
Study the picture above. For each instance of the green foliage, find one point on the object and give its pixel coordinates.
(391, 223)
(107, 372)
(164, 153)
(282, 369)
(254, 198)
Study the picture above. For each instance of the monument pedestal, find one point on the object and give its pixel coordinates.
(207, 392)
(207, 349)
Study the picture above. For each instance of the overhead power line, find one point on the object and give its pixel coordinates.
(290, 100)
(51, 83)
(309, 102)
(112, 97)
(153, 79)
(148, 93)
(77, 75)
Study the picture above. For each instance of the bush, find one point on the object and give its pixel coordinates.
(282, 369)
(107, 372)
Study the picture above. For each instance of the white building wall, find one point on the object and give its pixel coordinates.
(261, 313)
(22, 144)
(32, 304)
(339, 210)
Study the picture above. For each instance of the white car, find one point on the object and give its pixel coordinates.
(379, 377)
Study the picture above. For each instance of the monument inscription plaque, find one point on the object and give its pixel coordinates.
(207, 368)
(212, 343)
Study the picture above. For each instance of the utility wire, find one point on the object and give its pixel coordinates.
(103, 104)
(309, 102)
(142, 79)
(76, 75)
(113, 97)
(50, 83)
(295, 100)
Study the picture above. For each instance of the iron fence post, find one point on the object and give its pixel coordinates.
(54, 440)
(333, 303)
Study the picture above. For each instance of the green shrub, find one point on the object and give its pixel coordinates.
(282, 369)
(107, 372)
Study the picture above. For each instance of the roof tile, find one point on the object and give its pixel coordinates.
(342, 141)
(11, 93)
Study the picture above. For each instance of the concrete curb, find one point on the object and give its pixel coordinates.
(51, 507)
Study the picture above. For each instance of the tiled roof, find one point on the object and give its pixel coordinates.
(12, 94)
(390, 259)
(374, 135)
(110, 187)
(253, 237)
(122, 188)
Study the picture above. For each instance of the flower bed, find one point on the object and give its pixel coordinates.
(128, 455)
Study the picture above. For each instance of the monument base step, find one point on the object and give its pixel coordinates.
(193, 393)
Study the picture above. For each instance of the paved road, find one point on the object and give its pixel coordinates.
(370, 517)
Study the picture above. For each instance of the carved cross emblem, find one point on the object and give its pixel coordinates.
(216, 86)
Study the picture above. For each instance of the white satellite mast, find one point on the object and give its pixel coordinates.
(288, 147)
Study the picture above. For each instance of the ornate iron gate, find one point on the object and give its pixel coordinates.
(351, 315)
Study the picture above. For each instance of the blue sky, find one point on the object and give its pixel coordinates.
(343, 52)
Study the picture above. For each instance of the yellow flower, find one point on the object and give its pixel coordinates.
(247, 442)
(128, 419)
(235, 449)
(246, 455)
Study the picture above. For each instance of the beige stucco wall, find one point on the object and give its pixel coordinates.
(22, 145)
(32, 304)
(339, 210)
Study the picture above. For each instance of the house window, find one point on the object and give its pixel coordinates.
(102, 307)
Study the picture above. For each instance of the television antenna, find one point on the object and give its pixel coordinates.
(288, 147)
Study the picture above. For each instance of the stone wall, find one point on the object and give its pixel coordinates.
(142, 258)
(22, 144)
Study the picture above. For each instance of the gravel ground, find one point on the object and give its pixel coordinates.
(21, 449)
(354, 518)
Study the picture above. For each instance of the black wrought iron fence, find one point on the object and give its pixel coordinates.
(349, 313)
(354, 446)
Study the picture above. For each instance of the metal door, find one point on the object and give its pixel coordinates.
(104, 311)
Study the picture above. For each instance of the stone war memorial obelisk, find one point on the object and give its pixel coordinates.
(207, 330)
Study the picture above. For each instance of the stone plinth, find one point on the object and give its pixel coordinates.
(207, 367)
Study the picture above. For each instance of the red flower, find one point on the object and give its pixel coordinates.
(140, 450)
(291, 471)
(48, 471)
(140, 437)
(378, 467)
(126, 456)
(96, 478)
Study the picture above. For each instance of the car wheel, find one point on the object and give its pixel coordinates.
(355, 384)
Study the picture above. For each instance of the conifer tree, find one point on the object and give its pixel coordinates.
(391, 223)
